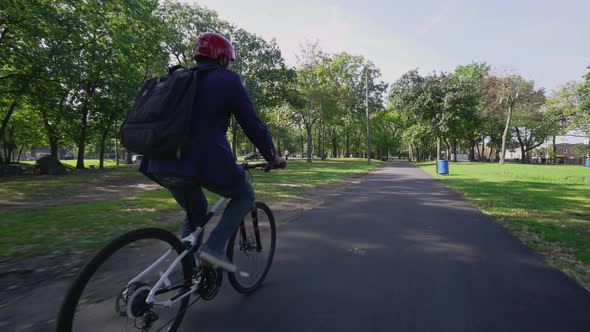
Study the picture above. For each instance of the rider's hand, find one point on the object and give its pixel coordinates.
(276, 163)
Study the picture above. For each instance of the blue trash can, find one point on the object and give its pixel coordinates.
(442, 167)
(587, 162)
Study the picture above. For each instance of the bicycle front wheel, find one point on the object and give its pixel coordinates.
(251, 248)
(110, 292)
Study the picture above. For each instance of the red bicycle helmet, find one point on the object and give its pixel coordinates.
(213, 45)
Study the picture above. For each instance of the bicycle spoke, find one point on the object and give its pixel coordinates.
(179, 313)
(109, 302)
(252, 249)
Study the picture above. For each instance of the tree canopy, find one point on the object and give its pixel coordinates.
(70, 70)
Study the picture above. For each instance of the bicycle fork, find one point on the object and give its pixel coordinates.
(244, 236)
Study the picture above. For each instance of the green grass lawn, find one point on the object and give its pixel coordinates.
(89, 225)
(87, 162)
(546, 206)
(38, 187)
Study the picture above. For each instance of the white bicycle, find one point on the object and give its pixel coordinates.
(143, 280)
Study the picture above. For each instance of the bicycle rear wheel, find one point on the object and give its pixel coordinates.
(252, 249)
(103, 299)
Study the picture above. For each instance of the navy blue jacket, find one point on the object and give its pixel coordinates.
(210, 159)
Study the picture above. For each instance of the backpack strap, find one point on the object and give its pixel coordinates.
(174, 68)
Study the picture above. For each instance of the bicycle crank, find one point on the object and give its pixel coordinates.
(210, 283)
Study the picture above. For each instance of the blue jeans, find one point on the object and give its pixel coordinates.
(191, 198)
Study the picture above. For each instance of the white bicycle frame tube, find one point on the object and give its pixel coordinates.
(219, 204)
(163, 279)
(192, 238)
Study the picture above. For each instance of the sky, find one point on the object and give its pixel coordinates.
(545, 41)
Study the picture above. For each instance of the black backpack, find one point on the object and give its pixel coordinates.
(158, 125)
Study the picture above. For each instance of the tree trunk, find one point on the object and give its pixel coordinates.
(117, 151)
(483, 148)
(454, 150)
(82, 139)
(9, 142)
(19, 154)
(103, 140)
(50, 127)
(521, 144)
(347, 147)
(278, 142)
(319, 142)
(5, 124)
(309, 128)
(6, 156)
(129, 159)
(102, 149)
(101, 156)
(359, 146)
(334, 146)
(505, 134)
(302, 145)
(54, 146)
(437, 148)
(323, 140)
(472, 150)
(554, 151)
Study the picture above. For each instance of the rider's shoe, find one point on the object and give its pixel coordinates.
(217, 259)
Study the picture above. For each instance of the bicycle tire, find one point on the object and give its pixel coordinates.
(70, 303)
(265, 216)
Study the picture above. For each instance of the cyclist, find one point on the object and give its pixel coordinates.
(209, 162)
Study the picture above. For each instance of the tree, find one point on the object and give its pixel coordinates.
(114, 34)
(422, 101)
(22, 134)
(562, 106)
(581, 118)
(73, 68)
(261, 66)
(310, 60)
(471, 128)
(405, 98)
(387, 127)
(344, 78)
(345, 83)
(281, 119)
(582, 149)
(508, 92)
(183, 24)
(26, 27)
(532, 124)
(458, 120)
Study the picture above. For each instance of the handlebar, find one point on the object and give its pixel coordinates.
(263, 166)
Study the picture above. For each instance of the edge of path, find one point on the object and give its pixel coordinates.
(20, 276)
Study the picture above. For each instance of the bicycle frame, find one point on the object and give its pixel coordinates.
(192, 239)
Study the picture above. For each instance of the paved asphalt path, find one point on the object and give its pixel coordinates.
(399, 252)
